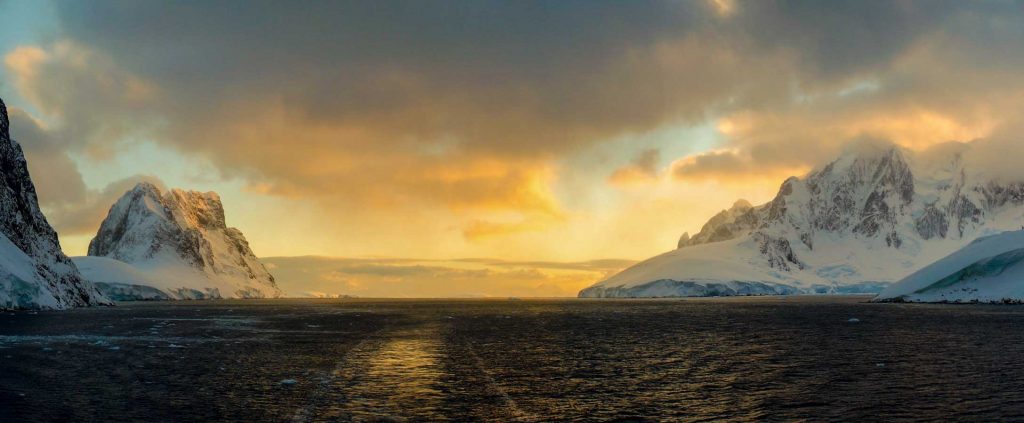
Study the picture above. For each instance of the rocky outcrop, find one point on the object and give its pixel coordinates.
(777, 251)
(684, 240)
(182, 242)
(738, 220)
(34, 272)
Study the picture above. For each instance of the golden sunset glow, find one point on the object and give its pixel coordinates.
(539, 138)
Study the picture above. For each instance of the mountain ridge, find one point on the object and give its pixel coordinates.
(861, 221)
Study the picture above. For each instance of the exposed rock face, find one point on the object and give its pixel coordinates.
(871, 216)
(727, 224)
(36, 273)
(684, 240)
(868, 195)
(182, 242)
(932, 223)
(777, 251)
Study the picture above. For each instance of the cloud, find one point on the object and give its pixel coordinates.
(70, 206)
(946, 75)
(714, 163)
(93, 103)
(994, 157)
(280, 95)
(53, 172)
(643, 168)
(466, 110)
(481, 229)
(405, 277)
(84, 216)
(89, 104)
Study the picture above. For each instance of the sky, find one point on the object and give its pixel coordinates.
(482, 148)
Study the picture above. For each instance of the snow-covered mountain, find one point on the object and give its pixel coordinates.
(34, 272)
(173, 245)
(871, 217)
(990, 269)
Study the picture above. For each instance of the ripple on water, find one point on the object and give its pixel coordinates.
(728, 359)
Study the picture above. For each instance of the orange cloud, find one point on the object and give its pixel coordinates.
(481, 229)
(731, 166)
(90, 103)
(724, 8)
(644, 168)
(391, 277)
(454, 133)
(23, 62)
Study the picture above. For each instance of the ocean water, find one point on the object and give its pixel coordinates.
(737, 359)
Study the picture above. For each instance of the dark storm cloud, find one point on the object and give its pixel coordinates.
(70, 206)
(840, 38)
(414, 69)
(643, 167)
(556, 73)
(53, 172)
(713, 163)
(462, 103)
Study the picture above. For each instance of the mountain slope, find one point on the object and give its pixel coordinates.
(990, 269)
(34, 272)
(868, 218)
(176, 243)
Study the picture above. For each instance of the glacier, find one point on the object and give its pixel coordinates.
(872, 216)
(990, 269)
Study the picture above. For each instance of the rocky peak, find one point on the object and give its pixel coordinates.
(151, 228)
(861, 192)
(185, 209)
(23, 224)
(140, 204)
(176, 217)
(741, 204)
(727, 224)
(869, 191)
(683, 240)
(201, 209)
(871, 214)
(5, 125)
(145, 188)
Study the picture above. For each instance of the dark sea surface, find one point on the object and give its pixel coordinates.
(736, 359)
